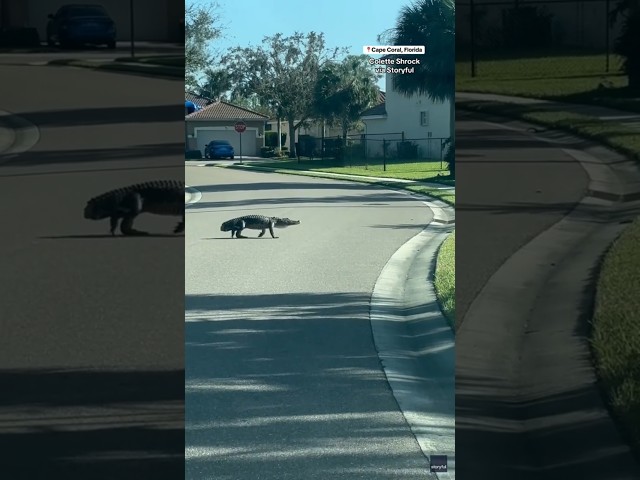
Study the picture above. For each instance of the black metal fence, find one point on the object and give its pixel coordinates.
(489, 28)
(374, 149)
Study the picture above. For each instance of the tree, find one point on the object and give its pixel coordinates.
(202, 26)
(343, 91)
(627, 44)
(430, 23)
(282, 73)
(215, 84)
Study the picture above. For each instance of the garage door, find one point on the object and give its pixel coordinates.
(230, 135)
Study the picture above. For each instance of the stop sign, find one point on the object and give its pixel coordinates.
(240, 127)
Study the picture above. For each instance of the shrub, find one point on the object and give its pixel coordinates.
(407, 150)
(271, 139)
(267, 152)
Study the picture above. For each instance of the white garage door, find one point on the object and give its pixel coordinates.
(230, 135)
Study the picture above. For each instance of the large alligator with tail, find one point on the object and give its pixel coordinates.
(160, 197)
(256, 222)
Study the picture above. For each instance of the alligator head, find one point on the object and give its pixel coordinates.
(228, 225)
(97, 210)
(285, 222)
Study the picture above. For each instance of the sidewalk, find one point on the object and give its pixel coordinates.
(629, 119)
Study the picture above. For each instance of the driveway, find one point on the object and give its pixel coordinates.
(91, 350)
(283, 380)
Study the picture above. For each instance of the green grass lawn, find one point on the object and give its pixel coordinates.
(425, 171)
(445, 278)
(616, 329)
(569, 78)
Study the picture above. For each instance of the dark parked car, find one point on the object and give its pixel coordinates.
(81, 24)
(218, 149)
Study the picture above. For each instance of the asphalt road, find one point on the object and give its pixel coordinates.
(91, 351)
(282, 377)
(511, 188)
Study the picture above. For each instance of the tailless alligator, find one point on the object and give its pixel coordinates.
(160, 197)
(256, 222)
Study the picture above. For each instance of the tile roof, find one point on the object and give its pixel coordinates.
(225, 111)
(197, 99)
(379, 109)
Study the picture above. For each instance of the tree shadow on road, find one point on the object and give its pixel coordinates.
(286, 383)
(118, 236)
(359, 201)
(80, 424)
(134, 153)
(106, 116)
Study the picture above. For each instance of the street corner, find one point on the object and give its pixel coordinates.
(17, 135)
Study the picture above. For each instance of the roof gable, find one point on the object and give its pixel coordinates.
(197, 99)
(379, 109)
(225, 111)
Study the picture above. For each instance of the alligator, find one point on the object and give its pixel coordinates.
(256, 222)
(160, 197)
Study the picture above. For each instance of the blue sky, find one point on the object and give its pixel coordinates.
(345, 23)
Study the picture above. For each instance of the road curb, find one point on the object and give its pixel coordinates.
(415, 341)
(512, 335)
(20, 135)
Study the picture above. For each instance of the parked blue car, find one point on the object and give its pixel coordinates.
(81, 24)
(218, 149)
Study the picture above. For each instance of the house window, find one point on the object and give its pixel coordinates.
(267, 127)
(429, 134)
(424, 119)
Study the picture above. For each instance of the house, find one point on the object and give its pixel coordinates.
(154, 20)
(216, 121)
(416, 119)
(315, 127)
(198, 100)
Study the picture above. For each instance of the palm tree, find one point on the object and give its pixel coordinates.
(430, 23)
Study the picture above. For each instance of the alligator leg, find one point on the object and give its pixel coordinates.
(271, 230)
(114, 224)
(262, 232)
(132, 207)
(239, 227)
(180, 227)
(126, 227)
